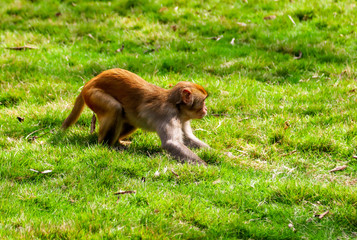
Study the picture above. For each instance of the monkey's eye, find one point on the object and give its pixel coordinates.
(198, 104)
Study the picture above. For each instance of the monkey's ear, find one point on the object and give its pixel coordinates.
(186, 96)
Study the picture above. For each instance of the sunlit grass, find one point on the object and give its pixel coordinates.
(277, 123)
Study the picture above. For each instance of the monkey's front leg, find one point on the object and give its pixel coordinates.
(182, 153)
(171, 141)
(190, 139)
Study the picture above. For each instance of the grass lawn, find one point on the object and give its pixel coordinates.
(282, 113)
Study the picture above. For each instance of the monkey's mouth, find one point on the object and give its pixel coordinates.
(202, 114)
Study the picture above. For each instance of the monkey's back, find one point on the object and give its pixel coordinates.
(126, 87)
(130, 90)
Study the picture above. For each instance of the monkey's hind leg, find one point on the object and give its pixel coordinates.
(110, 116)
(126, 131)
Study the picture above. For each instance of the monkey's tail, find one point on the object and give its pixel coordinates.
(76, 112)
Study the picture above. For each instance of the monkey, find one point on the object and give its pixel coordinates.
(124, 102)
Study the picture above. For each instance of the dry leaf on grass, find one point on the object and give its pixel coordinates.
(125, 192)
(217, 38)
(21, 119)
(163, 9)
(157, 173)
(286, 125)
(298, 57)
(271, 17)
(120, 49)
(339, 168)
(174, 28)
(320, 216)
(217, 181)
(291, 226)
(241, 24)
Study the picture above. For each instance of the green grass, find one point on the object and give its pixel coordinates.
(285, 121)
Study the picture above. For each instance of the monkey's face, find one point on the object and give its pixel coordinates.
(192, 100)
(202, 110)
(197, 109)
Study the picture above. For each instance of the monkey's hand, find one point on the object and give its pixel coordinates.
(195, 143)
(182, 153)
(190, 139)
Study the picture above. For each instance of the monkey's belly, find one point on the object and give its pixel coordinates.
(140, 122)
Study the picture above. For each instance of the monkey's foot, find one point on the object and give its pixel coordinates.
(124, 143)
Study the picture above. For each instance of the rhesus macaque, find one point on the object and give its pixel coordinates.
(124, 102)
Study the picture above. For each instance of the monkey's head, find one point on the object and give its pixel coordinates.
(190, 98)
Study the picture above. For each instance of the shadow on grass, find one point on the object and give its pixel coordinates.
(69, 138)
(88, 140)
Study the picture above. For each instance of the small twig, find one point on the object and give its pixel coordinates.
(34, 132)
(43, 134)
(173, 172)
(125, 192)
(289, 153)
(292, 20)
(219, 124)
(242, 119)
(149, 50)
(220, 114)
(229, 154)
(200, 129)
(152, 50)
(43, 172)
(21, 48)
(231, 115)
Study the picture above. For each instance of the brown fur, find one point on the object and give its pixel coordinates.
(124, 102)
